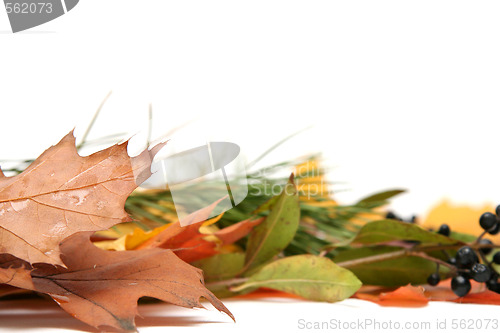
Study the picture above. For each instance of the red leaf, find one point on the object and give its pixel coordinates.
(237, 231)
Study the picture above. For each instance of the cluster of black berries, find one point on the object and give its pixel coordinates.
(467, 261)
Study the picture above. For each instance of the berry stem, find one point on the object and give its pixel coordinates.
(483, 258)
(473, 246)
(451, 267)
(481, 236)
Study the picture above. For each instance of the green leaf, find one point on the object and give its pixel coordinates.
(381, 196)
(311, 277)
(390, 272)
(274, 234)
(221, 266)
(391, 230)
(466, 238)
(265, 206)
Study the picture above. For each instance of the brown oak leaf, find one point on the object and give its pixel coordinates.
(6, 290)
(101, 288)
(62, 193)
(15, 272)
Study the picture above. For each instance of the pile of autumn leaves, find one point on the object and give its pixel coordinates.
(49, 212)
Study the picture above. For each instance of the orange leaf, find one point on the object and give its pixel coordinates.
(175, 235)
(485, 297)
(443, 292)
(190, 244)
(196, 249)
(237, 231)
(407, 296)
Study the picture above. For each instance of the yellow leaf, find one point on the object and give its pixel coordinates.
(212, 220)
(137, 236)
(311, 183)
(375, 215)
(131, 240)
(118, 230)
(323, 203)
(460, 218)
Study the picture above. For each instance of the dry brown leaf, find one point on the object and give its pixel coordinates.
(15, 272)
(6, 290)
(62, 193)
(101, 288)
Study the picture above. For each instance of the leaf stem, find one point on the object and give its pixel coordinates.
(372, 259)
(395, 255)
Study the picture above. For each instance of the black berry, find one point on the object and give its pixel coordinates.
(460, 286)
(444, 230)
(433, 279)
(496, 258)
(480, 272)
(486, 250)
(488, 221)
(452, 261)
(493, 285)
(495, 229)
(391, 215)
(466, 257)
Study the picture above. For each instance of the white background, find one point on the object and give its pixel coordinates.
(400, 93)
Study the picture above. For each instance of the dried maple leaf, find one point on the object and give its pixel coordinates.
(6, 290)
(101, 288)
(62, 193)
